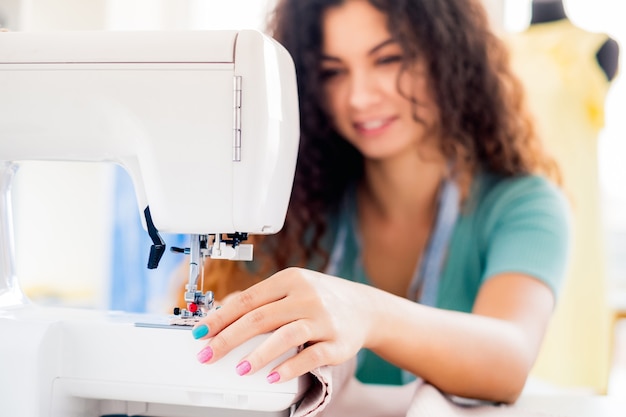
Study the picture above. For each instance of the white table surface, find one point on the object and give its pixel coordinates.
(575, 405)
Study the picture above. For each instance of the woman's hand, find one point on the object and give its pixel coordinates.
(331, 317)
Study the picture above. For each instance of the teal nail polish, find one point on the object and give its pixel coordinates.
(200, 331)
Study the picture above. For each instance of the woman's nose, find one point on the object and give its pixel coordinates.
(364, 90)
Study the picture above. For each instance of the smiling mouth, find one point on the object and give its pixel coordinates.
(372, 126)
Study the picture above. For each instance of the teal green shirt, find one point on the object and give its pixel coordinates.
(518, 224)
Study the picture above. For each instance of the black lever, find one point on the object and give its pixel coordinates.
(158, 248)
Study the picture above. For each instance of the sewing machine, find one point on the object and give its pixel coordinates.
(206, 124)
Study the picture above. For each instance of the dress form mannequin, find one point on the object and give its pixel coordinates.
(567, 73)
(544, 11)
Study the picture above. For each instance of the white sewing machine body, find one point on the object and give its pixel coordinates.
(83, 363)
(206, 124)
(167, 106)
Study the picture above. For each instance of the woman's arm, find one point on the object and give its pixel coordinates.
(484, 355)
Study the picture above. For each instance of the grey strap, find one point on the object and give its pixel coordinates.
(428, 273)
(339, 246)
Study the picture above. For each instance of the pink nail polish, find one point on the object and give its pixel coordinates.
(205, 354)
(273, 377)
(243, 368)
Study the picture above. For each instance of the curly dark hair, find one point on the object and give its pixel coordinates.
(483, 123)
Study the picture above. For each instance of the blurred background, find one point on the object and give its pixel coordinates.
(78, 236)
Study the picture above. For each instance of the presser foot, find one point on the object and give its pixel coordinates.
(185, 317)
(184, 321)
(196, 309)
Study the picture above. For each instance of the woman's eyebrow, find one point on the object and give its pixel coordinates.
(370, 52)
(381, 45)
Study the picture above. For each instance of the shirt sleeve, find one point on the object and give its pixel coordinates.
(528, 231)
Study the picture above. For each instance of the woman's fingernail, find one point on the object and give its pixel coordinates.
(205, 354)
(200, 331)
(273, 377)
(243, 368)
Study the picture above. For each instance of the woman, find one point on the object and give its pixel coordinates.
(418, 180)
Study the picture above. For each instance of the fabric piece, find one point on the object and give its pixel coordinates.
(335, 393)
(323, 382)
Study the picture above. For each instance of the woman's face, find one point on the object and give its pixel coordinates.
(360, 67)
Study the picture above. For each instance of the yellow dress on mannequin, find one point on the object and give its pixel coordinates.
(566, 89)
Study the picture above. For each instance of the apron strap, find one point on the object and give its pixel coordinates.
(428, 274)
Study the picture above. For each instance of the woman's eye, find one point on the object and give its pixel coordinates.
(328, 73)
(390, 59)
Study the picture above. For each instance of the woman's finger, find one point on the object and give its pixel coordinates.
(311, 357)
(291, 335)
(229, 297)
(263, 319)
(241, 303)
